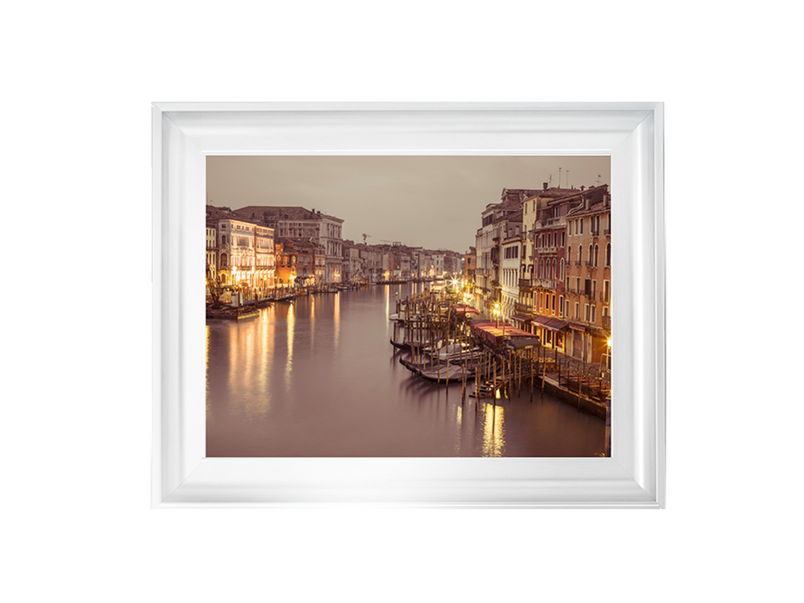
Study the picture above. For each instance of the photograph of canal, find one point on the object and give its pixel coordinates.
(407, 306)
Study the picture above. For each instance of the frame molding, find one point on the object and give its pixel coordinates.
(631, 133)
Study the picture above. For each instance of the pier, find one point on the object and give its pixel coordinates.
(446, 342)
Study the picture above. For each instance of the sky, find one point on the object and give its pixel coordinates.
(422, 201)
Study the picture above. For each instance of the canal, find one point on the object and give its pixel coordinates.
(319, 378)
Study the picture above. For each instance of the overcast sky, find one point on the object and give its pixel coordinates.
(431, 202)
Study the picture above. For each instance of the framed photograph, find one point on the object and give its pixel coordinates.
(408, 304)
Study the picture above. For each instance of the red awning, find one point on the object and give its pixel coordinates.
(464, 309)
(576, 327)
(552, 324)
(521, 317)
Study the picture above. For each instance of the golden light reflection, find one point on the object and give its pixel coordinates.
(291, 329)
(458, 433)
(337, 317)
(266, 337)
(493, 431)
(206, 369)
(312, 321)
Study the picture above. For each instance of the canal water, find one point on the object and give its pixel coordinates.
(319, 378)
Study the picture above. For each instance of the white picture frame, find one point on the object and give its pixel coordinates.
(631, 133)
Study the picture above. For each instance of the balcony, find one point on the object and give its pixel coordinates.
(519, 307)
(544, 283)
(607, 232)
(547, 250)
(606, 322)
(525, 283)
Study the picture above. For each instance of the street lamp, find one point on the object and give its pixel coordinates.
(497, 315)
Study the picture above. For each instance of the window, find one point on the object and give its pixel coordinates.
(606, 291)
(596, 250)
(586, 312)
(561, 305)
(593, 313)
(608, 254)
(577, 315)
(581, 221)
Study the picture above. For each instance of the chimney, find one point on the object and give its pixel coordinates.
(582, 187)
(544, 184)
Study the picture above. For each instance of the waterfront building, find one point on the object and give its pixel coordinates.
(211, 255)
(511, 254)
(588, 278)
(371, 259)
(299, 262)
(488, 240)
(352, 263)
(469, 265)
(541, 282)
(285, 264)
(244, 252)
(559, 276)
(298, 223)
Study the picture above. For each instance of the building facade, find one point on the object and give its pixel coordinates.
(300, 224)
(244, 252)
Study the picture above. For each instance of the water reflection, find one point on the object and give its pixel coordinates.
(273, 389)
(493, 433)
(291, 320)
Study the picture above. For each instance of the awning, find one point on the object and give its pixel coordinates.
(577, 327)
(552, 324)
(464, 309)
(521, 317)
(524, 343)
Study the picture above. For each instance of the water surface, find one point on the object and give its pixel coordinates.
(319, 378)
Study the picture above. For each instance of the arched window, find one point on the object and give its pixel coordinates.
(596, 250)
(553, 271)
(223, 239)
(223, 260)
(562, 269)
(608, 254)
(590, 255)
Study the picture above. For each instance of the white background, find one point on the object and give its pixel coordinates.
(78, 82)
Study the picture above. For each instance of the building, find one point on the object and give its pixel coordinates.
(488, 241)
(556, 276)
(211, 255)
(244, 252)
(352, 263)
(298, 223)
(588, 278)
(510, 260)
(469, 265)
